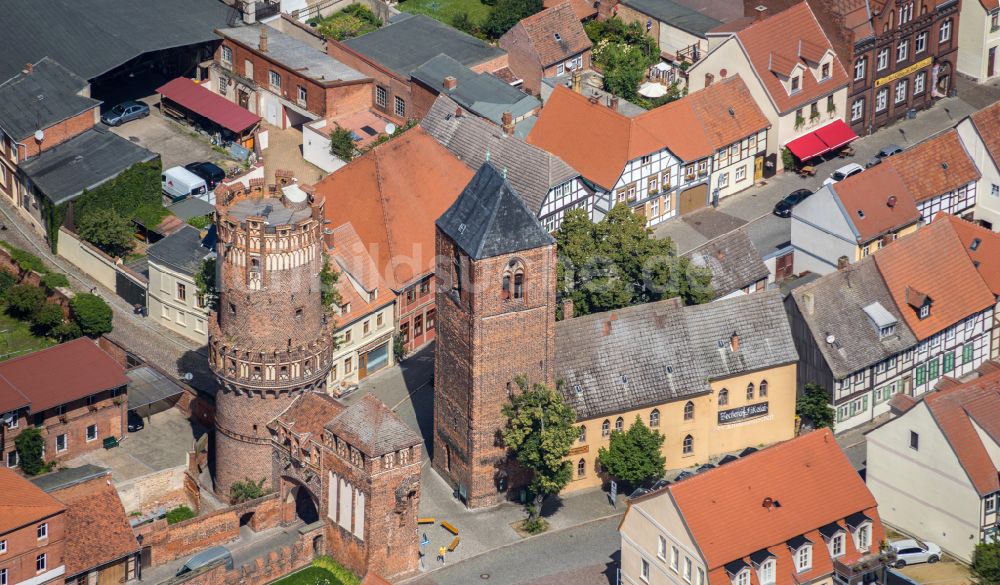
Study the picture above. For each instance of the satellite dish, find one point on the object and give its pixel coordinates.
(390, 128)
(39, 135)
(831, 339)
(188, 377)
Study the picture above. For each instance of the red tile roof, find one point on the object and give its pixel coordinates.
(935, 166)
(97, 528)
(876, 202)
(60, 374)
(310, 412)
(932, 262)
(778, 43)
(987, 123)
(982, 245)
(392, 196)
(204, 102)
(354, 262)
(954, 409)
(543, 27)
(811, 478)
(23, 502)
(583, 9)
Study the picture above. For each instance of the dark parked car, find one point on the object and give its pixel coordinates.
(125, 112)
(134, 422)
(886, 152)
(212, 174)
(784, 207)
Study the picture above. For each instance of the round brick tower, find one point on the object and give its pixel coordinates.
(269, 339)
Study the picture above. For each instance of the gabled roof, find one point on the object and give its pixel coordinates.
(410, 40)
(35, 101)
(62, 373)
(935, 166)
(809, 476)
(775, 44)
(97, 529)
(392, 196)
(955, 409)
(876, 202)
(532, 171)
(23, 502)
(555, 34)
(987, 124)
(371, 427)
(982, 245)
(490, 219)
(356, 265)
(733, 260)
(296, 56)
(675, 14)
(606, 370)
(933, 261)
(183, 250)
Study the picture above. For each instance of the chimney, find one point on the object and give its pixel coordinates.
(577, 81)
(508, 123)
(262, 45)
(458, 112)
(594, 99)
(328, 238)
(450, 83)
(734, 342)
(567, 307)
(28, 69)
(808, 303)
(761, 11)
(613, 103)
(843, 262)
(249, 11)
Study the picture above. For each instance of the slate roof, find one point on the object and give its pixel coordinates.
(91, 38)
(82, 162)
(410, 40)
(97, 529)
(838, 301)
(182, 250)
(733, 260)
(48, 95)
(555, 34)
(297, 56)
(594, 352)
(770, 235)
(489, 218)
(531, 170)
(480, 93)
(372, 428)
(23, 503)
(675, 14)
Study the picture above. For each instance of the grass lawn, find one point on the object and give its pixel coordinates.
(446, 10)
(310, 576)
(16, 338)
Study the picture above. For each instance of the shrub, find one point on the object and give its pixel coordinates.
(179, 514)
(7, 280)
(506, 13)
(342, 143)
(134, 194)
(108, 230)
(47, 319)
(246, 490)
(200, 221)
(92, 314)
(30, 445)
(54, 280)
(66, 331)
(343, 574)
(25, 260)
(24, 300)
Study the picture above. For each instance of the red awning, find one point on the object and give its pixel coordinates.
(836, 134)
(807, 146)
(188, 94)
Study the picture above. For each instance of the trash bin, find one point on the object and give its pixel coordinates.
(911, 113)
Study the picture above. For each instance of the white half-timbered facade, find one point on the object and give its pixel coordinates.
(653, 185)
(959, 202)
(738, 165)
(573, 194)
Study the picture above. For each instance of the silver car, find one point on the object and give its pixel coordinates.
(912, 551)
(125, 112)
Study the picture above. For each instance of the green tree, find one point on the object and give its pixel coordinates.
(463, 22)
(107, 230)
(47, 319)
(30, 444)
(205, 282)
(506, 13)
(623, 52)
(328, 278)
(398, 347)
(986, 564)
(24, 300)
(7, 280)
(66, 331)
(634, 456)
(342, 143)
(617, 262)
(540, 432)
(246, 490)
(92, 314)
(813, 406)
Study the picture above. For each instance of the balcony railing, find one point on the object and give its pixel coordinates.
(854, 572)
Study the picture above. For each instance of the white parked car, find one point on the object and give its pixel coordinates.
(843, 172)
(911, 552)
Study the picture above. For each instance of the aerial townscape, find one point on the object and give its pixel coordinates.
(511, 292)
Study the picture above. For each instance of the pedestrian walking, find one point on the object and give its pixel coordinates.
(441, 552)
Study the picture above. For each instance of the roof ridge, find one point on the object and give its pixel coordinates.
(377, 161)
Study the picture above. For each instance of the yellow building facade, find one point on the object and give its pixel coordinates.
(872, 246)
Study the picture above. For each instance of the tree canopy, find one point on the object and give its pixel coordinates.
(506, 13)
(204, 279)
(92, 314)
(623, 52)
(813, 407)
(986, 564)
(634, 456)
(617, 262)
(30, 446)
(342, 143)
(107, 230)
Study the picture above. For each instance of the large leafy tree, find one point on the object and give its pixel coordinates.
(30, 445)
(506, 13)
(634, 456)
(107, 230)
(617, 262)
(540, 432)
(92, 314)
(24, 300)
(205, 281)
(813, 406)
(342, 143)
(986, 564)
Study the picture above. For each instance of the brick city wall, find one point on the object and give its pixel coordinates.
(59, 133)
(154, 491)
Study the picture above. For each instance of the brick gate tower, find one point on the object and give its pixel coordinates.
(496, 321)
(269, 339)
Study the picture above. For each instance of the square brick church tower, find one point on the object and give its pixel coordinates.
(496, 321)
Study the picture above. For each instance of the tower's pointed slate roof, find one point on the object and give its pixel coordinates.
(489, 218)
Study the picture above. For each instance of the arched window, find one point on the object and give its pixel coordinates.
(581, 468)
(583, 434)
(605, 428)
(654, 418)
(619, 424)
(762, 389)
(688, 445)
(518, 285)
(513, 280)
(750, 391)
(689, 411)
(723, 397)
(505, 287)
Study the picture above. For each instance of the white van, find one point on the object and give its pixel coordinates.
(179, 183)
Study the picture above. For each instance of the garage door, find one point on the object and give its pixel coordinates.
(694, 198)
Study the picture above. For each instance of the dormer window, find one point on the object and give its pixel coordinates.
(919, 302)
(884, 321)
(796, 84)
(742, 578)
(766, 574)
(863, 537)
(824, 72)
(925, 311)
(803, 558)
(975, 244)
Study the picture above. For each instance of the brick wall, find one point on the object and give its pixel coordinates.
(392, 84)
(154, 491)
(23, 546)
(169, 542)
(348, 99)
(523, 59)
(59, 133)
